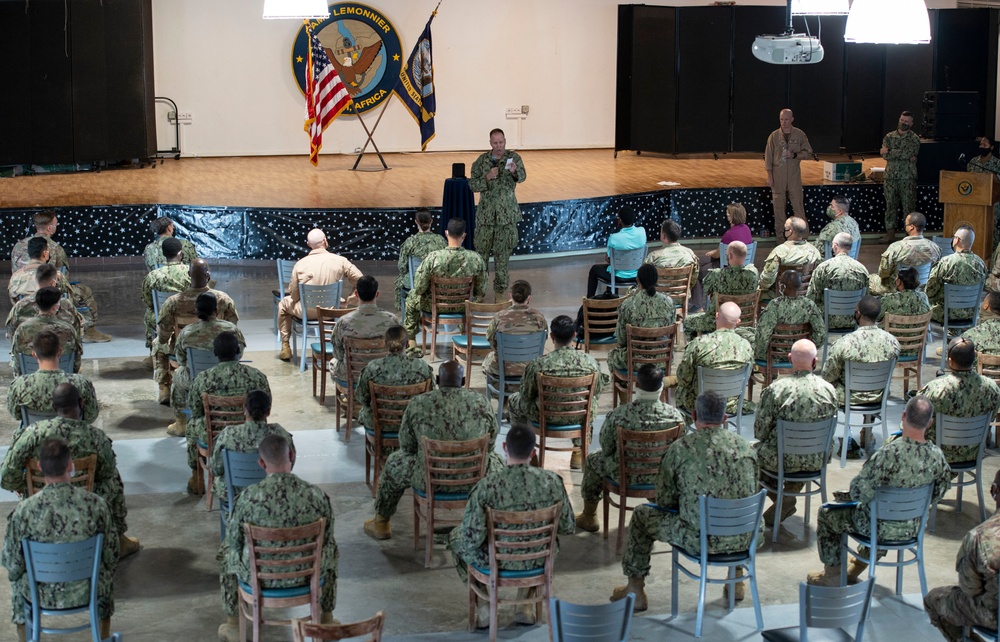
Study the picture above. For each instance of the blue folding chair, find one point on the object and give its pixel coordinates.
(29, 364)
(751, 253)
(828, 607)
(957, 297)
(59, 563)
(853, 252)
(515, 348)
(241, 470)
(310, 296)
(624, 261)
(605, 622)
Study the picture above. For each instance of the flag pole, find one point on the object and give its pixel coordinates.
(371, 140)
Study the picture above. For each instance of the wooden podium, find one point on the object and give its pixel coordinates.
(968, 199)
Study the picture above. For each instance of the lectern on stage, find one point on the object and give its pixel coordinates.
(968, 199)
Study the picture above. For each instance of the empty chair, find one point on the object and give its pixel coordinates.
(57, 563)
(372, 628)
(865, 377)
(590, 622)
(957, 297)
(624, 261)
(828, 607)
(751, 253)
(311, 297)
(515, 348)
(960, 431)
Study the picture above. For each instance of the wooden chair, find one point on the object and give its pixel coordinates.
(564, 411)
(478, 317)
(301, 553)
(85, 468)
(988, 365)
(357, 354)
(782, 338)
(372, 628)
(322, 350)
(676, 283)
(388, 405)
(749, 306)
(639, 457)
(600, 316)
(911, 332)
(643, 345)
(448, 466)
(804, 270)
(525, 538)
(219, 413)
(447, 296)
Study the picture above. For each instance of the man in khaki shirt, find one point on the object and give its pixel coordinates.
(785, 149)
(319, 267)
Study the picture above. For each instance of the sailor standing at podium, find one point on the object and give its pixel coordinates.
(987, 163)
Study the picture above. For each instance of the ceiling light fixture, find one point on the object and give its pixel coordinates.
(899, 22)
(296, 9)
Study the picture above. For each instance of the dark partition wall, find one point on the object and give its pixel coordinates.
(646, 78)
(759, 91)
(864, 81)
(703, 97)
(817, 91)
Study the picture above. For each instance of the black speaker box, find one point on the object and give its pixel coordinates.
(943, 126)
(951, 102)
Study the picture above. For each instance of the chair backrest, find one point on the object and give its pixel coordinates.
(159, 298)
(783, 337)
(853, 252)
(728, 382)
(964, 296)
(909, 330)
(85, 469)
(478, 317)
(923, 272)
(242, 470)
(58, 563)
(199, 361)
(300, 549)
(450, 464)
(751, 253)
(327, 318)
(675, 283)
(840, 302)
(518, 348)
(641, 451)
(963, 431)
(29, 363)
(414, 263)
(565, 400)
(358, 353)
(29, 416)
(749, 305)
(600, 316)
(944, 244)
(372, 628)
(805, 437)
(591, 622)
(988, 365)
(650, 345)
(450, 293)
(181, 321)
(526, 537)
(835, 607)
(627, 260)
(221, 412)
(726, 517)
(805, 271)
(285, 267)
(901, 504)
(327, 296)
(389, 402)
(868, 377)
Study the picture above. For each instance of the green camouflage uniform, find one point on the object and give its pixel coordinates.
(419, 245)
(244, 438)
(841, 273)
(709, 461)
(82, 296)
(200, 336)
(867, 344)
(723, 349)
(390, 370)
(802, 397)
(517, 319)
(844, 223)
(84, 440)
(643, 311)
(497, 213)
(961, 394)
(446, 414)
(19, 254)
(27, 331)
(906, 303)
(282, 500)
(182, 305)
(730, 280)
(646, 415)
(902, 463)
(910, 251)
(788, 311)
(986, 336)
(35, 391)
(794, 253)
(561, 362)
(226, 379)
(511, 488)
(169, 278)
(674, 255)
(451, 262)
(900, 174)
(973, 602)
(153, 254)
(989, 166)
(27, 309)
(960, 268)
(366, 322)
(61, 513)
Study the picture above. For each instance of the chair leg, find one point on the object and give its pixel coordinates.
(336, 407)
(208, 488)
(846, 441)
(324, 372)
(899, 572)
(258, 618)
(494, 607)
(675, 572)
(429, 544)
(921, 571)
(961, 479)
(472, 606)
(305, 337)
(434, 341)
(777, 511)
(243, 620)
(752, 572)
(622, 509)
(605, 501)
(314, 379)
(700, 618)
(368, 470)
(979, 492)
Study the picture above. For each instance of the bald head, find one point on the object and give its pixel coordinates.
(728, 316)
(736, 253)
(316, 239)
(842, 243)
(800, 229)
(803, 355)
(964, 238)
(785, 117)
(451, 374)
(200, 274)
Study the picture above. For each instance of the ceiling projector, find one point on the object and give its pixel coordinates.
(788, 49)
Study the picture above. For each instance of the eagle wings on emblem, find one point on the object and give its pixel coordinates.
(353, 71)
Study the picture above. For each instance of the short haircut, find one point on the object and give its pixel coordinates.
(456, 227)
(843, 240)
(869, 307)
(43, 218)
(800, 228)
(520, 441)
(46, 344)
(37, 246)
(54, 457)
(226, 346)
(171, 247)
(258, 404)
(45, 273)
(206, 305)
(738, 249)
(919, 412)
(963, 352)
(917, 220)
(497, 130)
(907, 112)
(647, 276)
(671, 229)
(562, 329)
(367, 288)
(46, 298)
(737, 213)
(273, 448)
(424, 219)
(843, 202)
(909, 277)
(65, 396)
(396, 338)
(520, 290)
(627, 216)
(649, 377)
(710, 408)
(791, 279)
(160, 225)
(993, 300)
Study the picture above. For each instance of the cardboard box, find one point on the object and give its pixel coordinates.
(878, 174)
(840, 171)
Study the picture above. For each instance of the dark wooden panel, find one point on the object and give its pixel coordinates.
(817, 90)
(623, 79)
(654, 82)
(15, 80)
(864, 78)
(126, 79)
(760, 90)
(965, 54)
(90, 85)
(51, 83)
(704, 84)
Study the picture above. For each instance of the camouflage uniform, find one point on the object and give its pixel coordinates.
(60, 513)
(730, 280)
(973, 602)
(902, 463)
(281, 500)
(867, 344)
(794, 253)
(83, 440)
(561, 362)
(674, 255)
(961, 394)
(446, 414)
(226, 379)
(419, 245)
(19, 254)
(900, 174)
(26, 309)
(23, 283)
(517, 319)
(722, 349)
(786, 311)
(843, 223)
(647, 415)
(709, 461)
(390, 370)
(27, 331)
(35, 391)
(366, 322)
(643, 311)
(801, 396)
(169, 278)
(245, 438)
(960, 268)
(986, 336)
(907, 303)
(200, 336)
(83, 297)
(152, 256)
(497, 213)
(451, 262)
(910, 251)
(178, 306)
(990, 166)
(511, 488)
(841, 273)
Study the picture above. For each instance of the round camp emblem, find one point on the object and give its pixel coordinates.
(363, 46)
(964, 188)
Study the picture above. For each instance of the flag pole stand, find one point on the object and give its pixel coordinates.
(371, 140)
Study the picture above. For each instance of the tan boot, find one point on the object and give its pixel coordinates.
(148, 362)
(587, 520)
(105, 626)
(787, 510)
(326, 617)
(741, 587)
(525, 613)
(576, 460)
(93, 336)
(378, 528)
(855, 569)
(230, 630)
(829, 576)
(196, 484)
(22, 634)
(127, 546)
(286, 351)
(164, 398)
(179, 427)
(482, 614)
(636, 585)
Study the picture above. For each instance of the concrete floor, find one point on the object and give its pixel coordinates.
(169, 591)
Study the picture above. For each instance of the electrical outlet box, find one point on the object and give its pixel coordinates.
(524, 110)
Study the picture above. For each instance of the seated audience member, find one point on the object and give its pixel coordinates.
(738, 230)
(45, 275)
(366, 322)
(840, 272)
(788, 309)
(912, 250)
(644, 308)
(24, 280)
(419, 245)
(628, 237)
(842, 223)
(867, 344)
(907, 299)
(155, 254)
(986, 335)
(394, 369)
(48, 301)
(734, 279)
(961, 268)
(519, 318)
(796, 251)
(675, 255)
(172, 277)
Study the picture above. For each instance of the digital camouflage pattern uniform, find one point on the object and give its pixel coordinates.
(973, 602)
(25, 335)
(176, 307)
(965, 394)
(451, 262)
(723, 349)
(169, 278)
(61, 513)
(366, 322)
(390, 370)
(244, 438)
(419, 245)
(841, 273)
(561, 362)
(27, 309)
(986, 336)
(281, 500)
(901, 463)
(510, 488)
(200, 336)
(990, 165)
(35, 391)
(646, 415)
(788, 311)
(906, 303)
(497, 213)
(644, 311)
(674, 255)
(23, 282)
(517, 319)
(709, 461)
(226, 379)
(900, 174)
(794, 253)
(867, 344)
(82, 296)
(730, 280)
(84, 440)
(960, 268)
(446, 414)
(153, 254)
(19, 254)
(910, 251)
(845, 223)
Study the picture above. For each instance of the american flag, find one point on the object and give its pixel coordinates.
(326, 96)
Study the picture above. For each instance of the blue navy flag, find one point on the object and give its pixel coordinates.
(415, 86)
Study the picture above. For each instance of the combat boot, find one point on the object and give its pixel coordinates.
(179, 427)
(229, 631)
(378, 527)
(127, 546)
(636, 585)
(286, 351)
(105, 626)
(92, 335)
(829, 576)
(482, 614)
(525, 613)
(741, 587)
(196, 484)
(22, 634)
(787, 510)
(164, 398)
(889, 236)
(576, 460)
(855, 569)
(326, 617)
(148, 362)
(587, 520)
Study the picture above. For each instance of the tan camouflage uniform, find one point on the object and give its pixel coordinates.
(497, 213)
(176, 307)
(674, 255)
(200, 335)
(960, 268)
(910, 251)
(82, 296)
(838, 273)
(517, 319)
